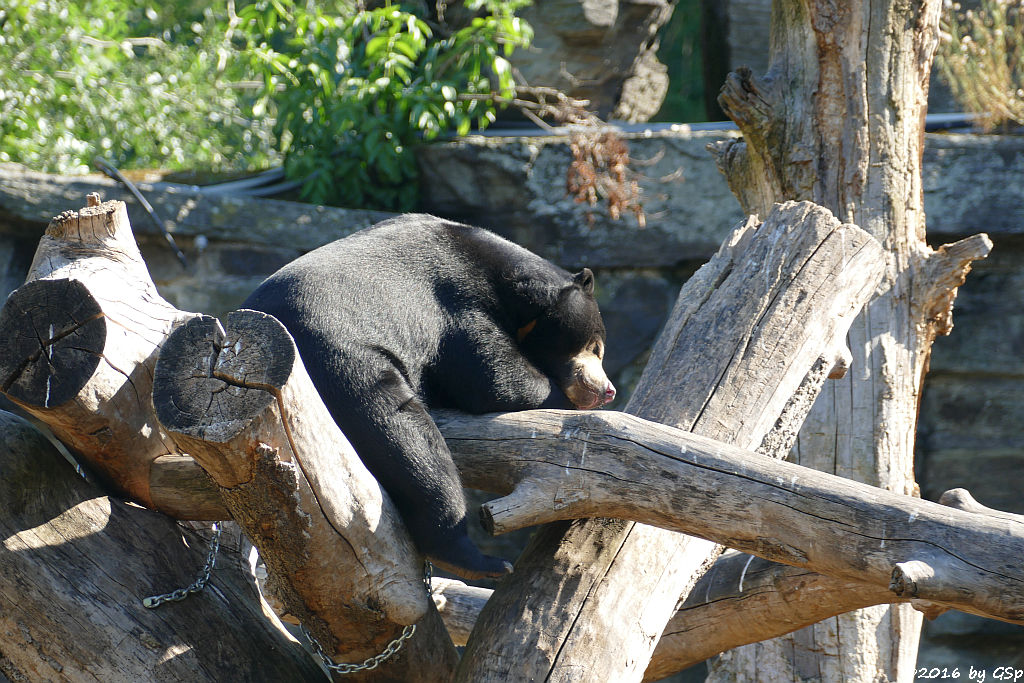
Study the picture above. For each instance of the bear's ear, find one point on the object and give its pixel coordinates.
(584, 280)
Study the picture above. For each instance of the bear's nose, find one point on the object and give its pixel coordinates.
(609, 393)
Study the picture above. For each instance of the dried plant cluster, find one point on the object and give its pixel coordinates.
(600, 169)
(981, 56)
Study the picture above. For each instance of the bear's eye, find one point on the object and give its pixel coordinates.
(597, 348)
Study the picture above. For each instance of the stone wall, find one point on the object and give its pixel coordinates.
(973, 405)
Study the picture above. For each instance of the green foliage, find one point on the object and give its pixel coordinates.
(981, 56)
(343, 95)
(355, 92)
(78, 80)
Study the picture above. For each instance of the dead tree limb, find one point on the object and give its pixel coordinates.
(775, 302)
(741, 599)
(569, 465)
(238, 399)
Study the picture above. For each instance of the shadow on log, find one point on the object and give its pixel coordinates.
(75, 565)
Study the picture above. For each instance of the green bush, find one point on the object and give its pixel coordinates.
(341, 95)
(354, 92)
(143, 85)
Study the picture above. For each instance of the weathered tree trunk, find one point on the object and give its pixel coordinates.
(838, 120)
(761, 300)
(75, 565)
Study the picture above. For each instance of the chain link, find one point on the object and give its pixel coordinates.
(154, 601)
(375, 661)
(394, 646)
(368, 664)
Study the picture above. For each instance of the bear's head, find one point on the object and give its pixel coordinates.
(566, 340)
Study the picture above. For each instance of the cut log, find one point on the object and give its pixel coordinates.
(776, 301)
(238, 399)
(75, 565)
(79, 345)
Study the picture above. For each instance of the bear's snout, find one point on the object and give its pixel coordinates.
(609, 393)
(590, 387)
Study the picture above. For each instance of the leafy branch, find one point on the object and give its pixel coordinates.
(362, 90)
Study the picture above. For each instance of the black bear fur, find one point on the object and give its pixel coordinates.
(418, 313)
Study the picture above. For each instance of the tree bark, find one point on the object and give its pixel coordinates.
(238, 399)
(68, 615)
(559, 615)
(838, 120)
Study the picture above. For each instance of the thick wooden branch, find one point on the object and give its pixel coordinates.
(238, 399)
(75, 565)
(80, 342)
(740, 600)
(568, 465)
(776, 300)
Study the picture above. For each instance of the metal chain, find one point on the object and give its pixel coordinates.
(394, 646)
(155, 601)
(368, 664)
(375, 661)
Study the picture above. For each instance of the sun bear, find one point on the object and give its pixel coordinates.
(419, 313)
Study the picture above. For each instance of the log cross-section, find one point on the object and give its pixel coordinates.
(79, 343)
